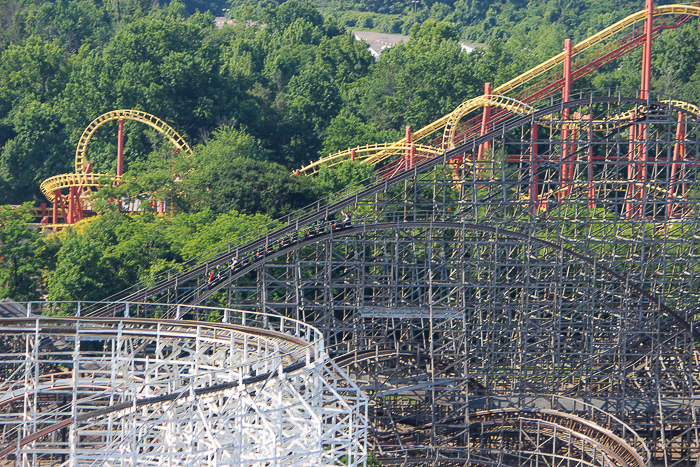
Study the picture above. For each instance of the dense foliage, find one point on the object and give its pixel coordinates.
(287, 83)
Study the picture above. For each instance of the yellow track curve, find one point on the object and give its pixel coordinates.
(367, 154)
(502, 102)
(57, 182)
(91, 180)
(126, 114)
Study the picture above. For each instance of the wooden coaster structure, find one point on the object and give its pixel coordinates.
(70, 192)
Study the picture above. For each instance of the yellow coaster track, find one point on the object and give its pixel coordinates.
(95, 180)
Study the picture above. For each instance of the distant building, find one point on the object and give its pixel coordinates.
(221, 20)
(378, 41)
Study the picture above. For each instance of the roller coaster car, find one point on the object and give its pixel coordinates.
(338, 225)
(288, 240)
(260, 253)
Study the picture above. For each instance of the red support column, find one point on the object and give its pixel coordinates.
(591, 187)
(485, 121)
(566, 93)
(161, 207)
(534, 195)
(56, 198)
(457, 165)
(407, 154)
(678, 156)
(353, 153)
(120, 149)
(631, 176)
(646, 54)
(71, 205)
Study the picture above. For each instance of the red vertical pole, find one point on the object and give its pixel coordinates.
(591, 187)
(56, 198)
(534, 201)
(43, 210)
(353, 153)
(407, 154)
(566, 93)
(120, 149)
(485, 120)
(459, 161)
(631, 176)
(161, 207)
(71, 205)
(646, 54)
(673, 179)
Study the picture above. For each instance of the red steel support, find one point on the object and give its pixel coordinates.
(678, 156)
(353, 153)
(457, 165)
(591, 186)
(120, 149)
(161, 207)
(485, 121)
(564, 172)
(646, 54)
(71, 205)
(56, 197)
(407, 154)
(631, 176)
(534, 195)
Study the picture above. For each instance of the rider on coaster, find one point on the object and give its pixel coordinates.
(347, 221)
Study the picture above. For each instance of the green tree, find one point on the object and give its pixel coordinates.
(348, 130)
(81, 271)
(19, 271)
(233, 175)
(418, 82)
(37, 150)
(36, 68)
(222, 229)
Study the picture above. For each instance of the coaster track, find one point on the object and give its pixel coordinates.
(448, 124)
(306, 219)
(509, 272)
(190, 380)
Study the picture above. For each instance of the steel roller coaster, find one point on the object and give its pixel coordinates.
(519, 289)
